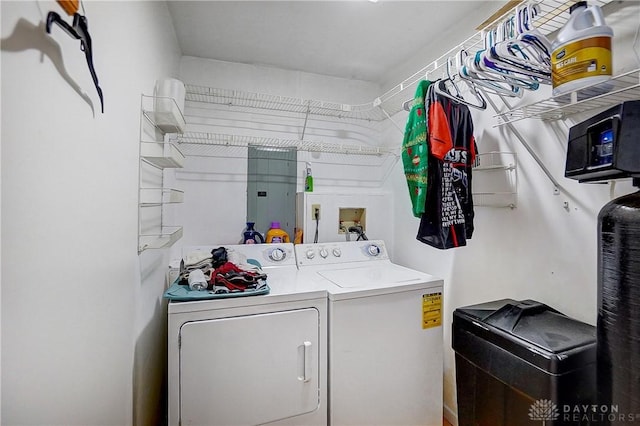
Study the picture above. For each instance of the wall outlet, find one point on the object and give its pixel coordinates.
(315, 211)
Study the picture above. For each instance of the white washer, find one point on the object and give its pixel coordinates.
(385, 335)
(254, 359)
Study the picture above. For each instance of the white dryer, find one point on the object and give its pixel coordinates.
(254, 359)
(385, 335)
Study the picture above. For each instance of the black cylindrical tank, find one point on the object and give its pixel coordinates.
(618, 344)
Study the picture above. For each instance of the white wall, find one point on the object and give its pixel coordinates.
(82, 321)
(214, 178)
(539, 250)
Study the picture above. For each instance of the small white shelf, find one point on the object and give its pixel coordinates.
(495, 199)
(495, 180)
(158, 117)
(162, 155)
(495, 160)
(150, 197)
(494, 167)
(166, 238)
(163, 113)
(618, 89)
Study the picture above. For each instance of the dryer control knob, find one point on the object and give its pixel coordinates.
(310, 254)
(337, 252)
(373, 250)
(277, 255)
(324, 253)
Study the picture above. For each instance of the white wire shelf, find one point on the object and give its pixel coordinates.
(495, 179)
(164, 113)
(161, 155)
(624, 87)
(240, 98)
(166, 238)
(219, 139)
(495, 160)
(165, 117)
(495, 199)
(150, 197)
(553, 15)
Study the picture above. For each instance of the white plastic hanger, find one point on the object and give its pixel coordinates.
(442, 87)
(521, 51)
(490, 83)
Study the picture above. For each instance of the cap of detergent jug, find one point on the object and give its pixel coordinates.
(276, 235)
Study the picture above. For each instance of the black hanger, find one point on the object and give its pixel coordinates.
(79, 31)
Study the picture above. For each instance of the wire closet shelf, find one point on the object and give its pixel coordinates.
(219, 139)
(553, 15)
(624, 87)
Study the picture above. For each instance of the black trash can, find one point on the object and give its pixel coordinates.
(523, 363)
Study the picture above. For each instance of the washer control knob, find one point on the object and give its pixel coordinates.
(310, 254)
(277, 255)
(373, 250)
(337, 252)
(324, 253)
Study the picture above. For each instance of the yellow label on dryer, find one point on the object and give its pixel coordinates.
(580, 59)
(431, 310)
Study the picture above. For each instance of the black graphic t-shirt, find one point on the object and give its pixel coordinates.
(448, 218)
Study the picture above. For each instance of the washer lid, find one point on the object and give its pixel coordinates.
(378, 276)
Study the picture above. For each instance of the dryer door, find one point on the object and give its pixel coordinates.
(250, 369)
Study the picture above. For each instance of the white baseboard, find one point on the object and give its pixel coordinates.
(450, 415)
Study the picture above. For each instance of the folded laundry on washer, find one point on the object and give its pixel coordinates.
(200, 265)
(223, 275)
(203, 260)
(196, 257)
(241, 261)
(230, 278)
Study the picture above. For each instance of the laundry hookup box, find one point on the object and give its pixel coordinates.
(341, 216)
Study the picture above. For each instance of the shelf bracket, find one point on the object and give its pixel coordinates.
(306, 118)
(524, 143)
(392, 120)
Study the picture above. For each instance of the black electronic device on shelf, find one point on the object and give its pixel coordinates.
(606, 146)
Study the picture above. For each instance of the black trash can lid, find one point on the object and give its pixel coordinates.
(532, 322)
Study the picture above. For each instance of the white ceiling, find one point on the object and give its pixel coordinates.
(354, 39)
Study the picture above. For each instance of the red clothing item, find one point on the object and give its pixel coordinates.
(441, 121)
(448, 218)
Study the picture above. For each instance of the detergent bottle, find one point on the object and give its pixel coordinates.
(251, 236)
(277, 235)
(581, 51)
(308, 180)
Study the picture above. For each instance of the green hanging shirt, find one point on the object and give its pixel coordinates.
(415, 150)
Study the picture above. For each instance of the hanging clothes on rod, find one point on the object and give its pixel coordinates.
(447, 220)
(415, 150)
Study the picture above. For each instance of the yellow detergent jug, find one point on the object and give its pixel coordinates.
(582, 51)
(277, 235)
